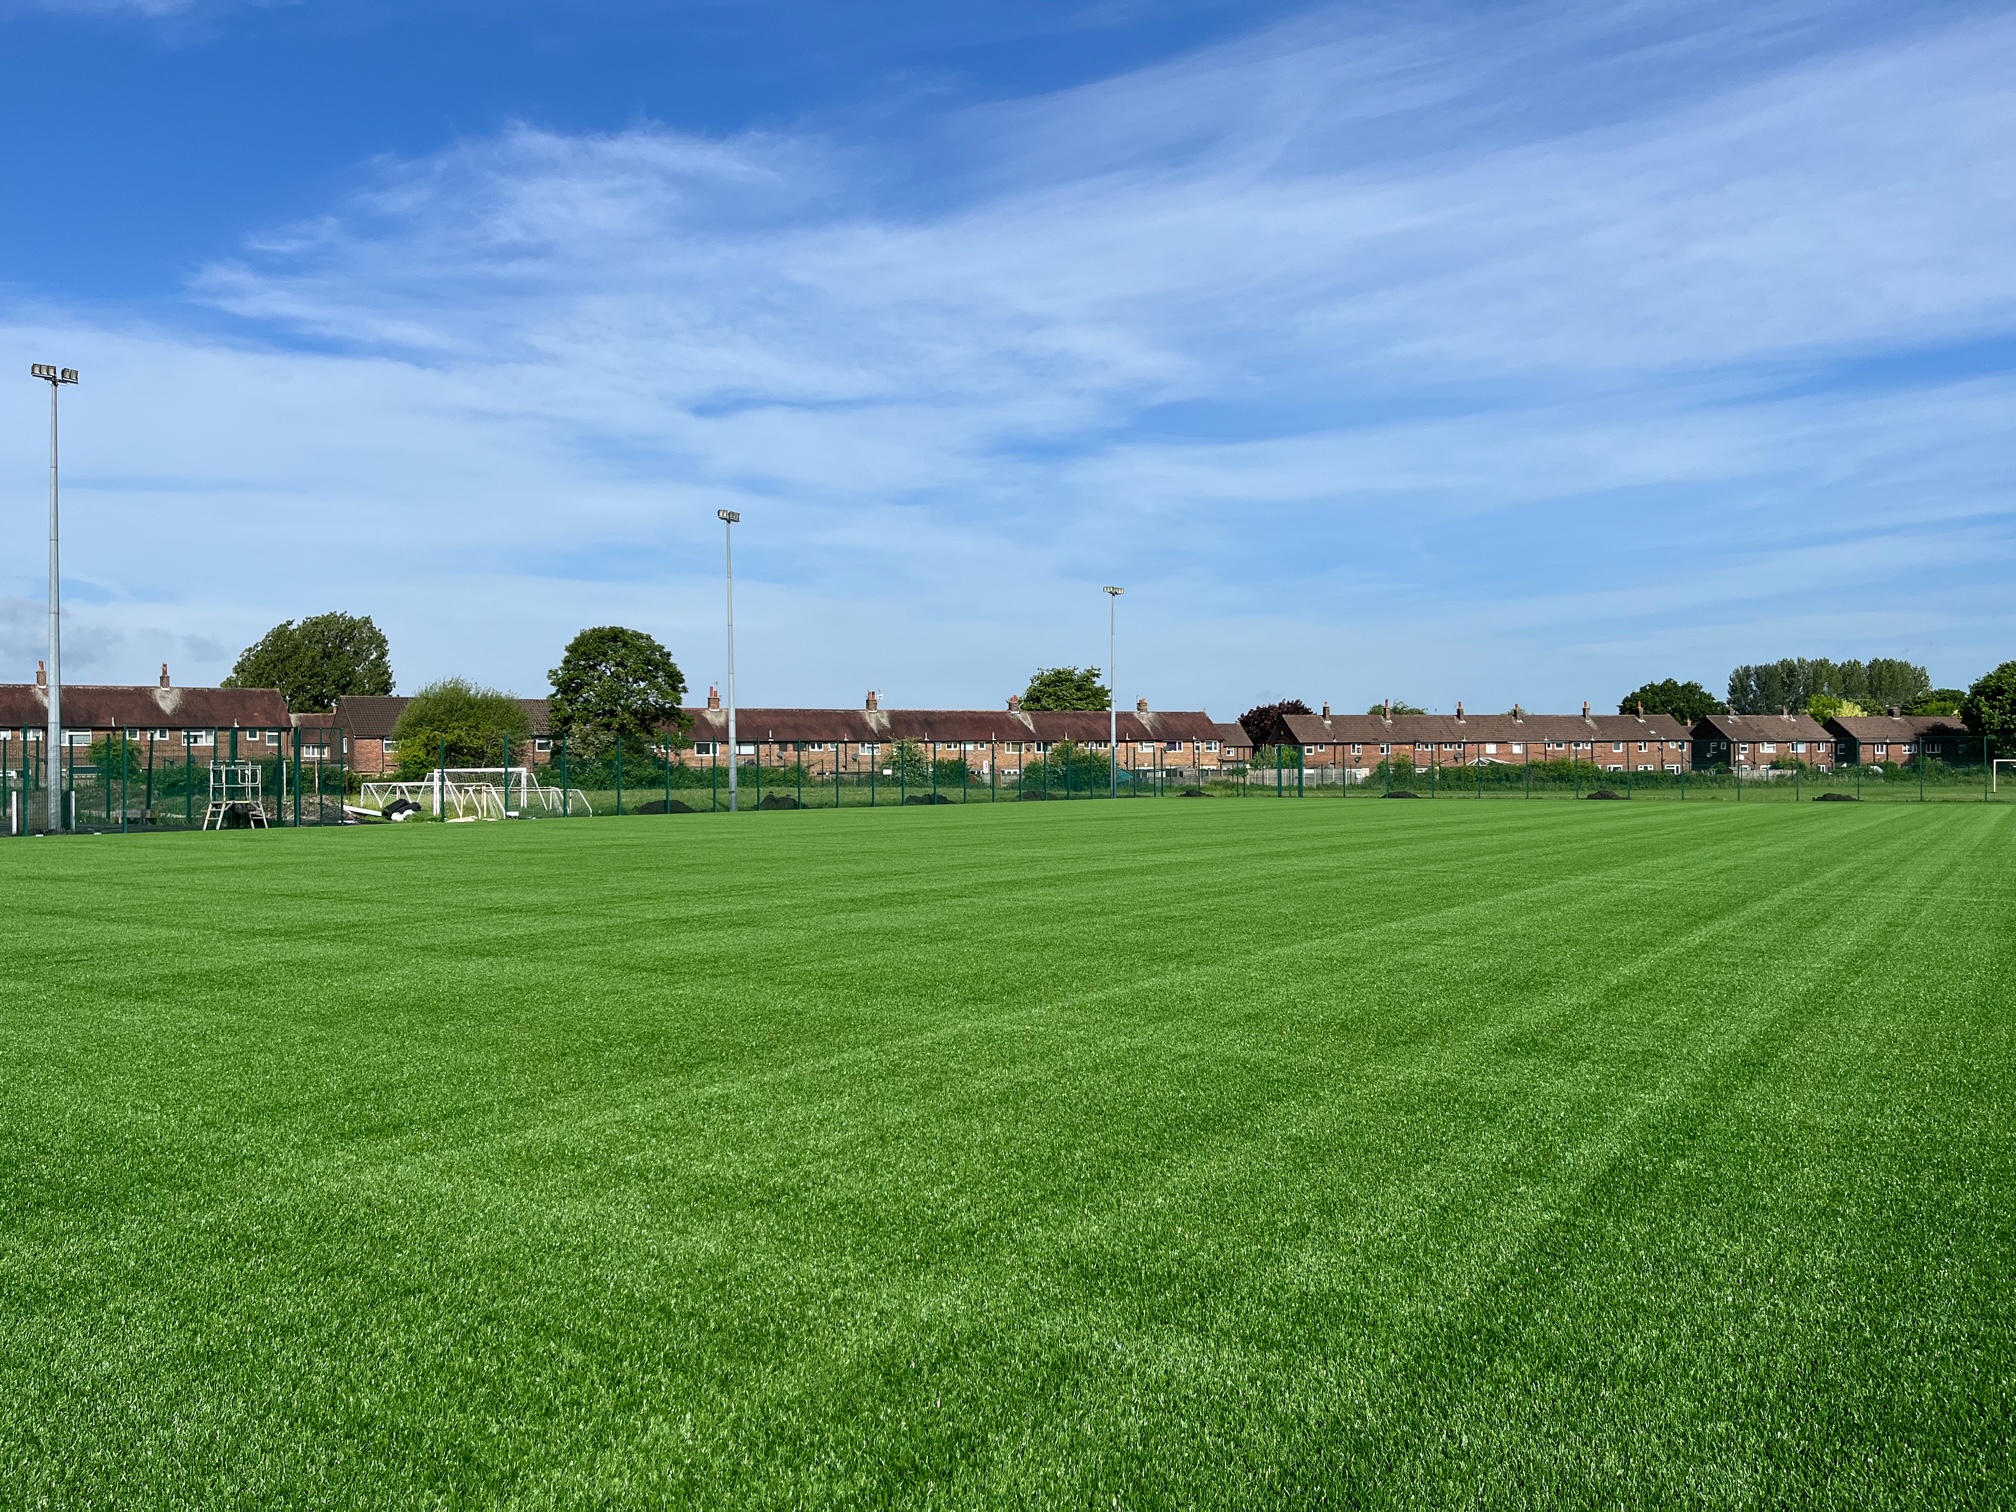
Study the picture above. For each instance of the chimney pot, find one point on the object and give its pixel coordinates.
(1459, 708)
(1326, 708)
(1585, 708)
(713, 697)
(1388, 708)
(1014, 702)
(874, 699)
(1140, 706)
(164, 674)
(41, 674)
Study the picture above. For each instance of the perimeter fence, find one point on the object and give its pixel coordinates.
(147, 785)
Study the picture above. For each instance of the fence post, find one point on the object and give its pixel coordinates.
(714, 780)
(873, 762)
(934, 771)
(1434, 769)
(801, 774)
(1921, 768)
(1987, 768)
(619, 774)
(189, 777)
(993, 771)
(122, 783)
(505, 744)
(668, 771)
(566, 800)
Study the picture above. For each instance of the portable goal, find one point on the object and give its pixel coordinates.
(466, 794)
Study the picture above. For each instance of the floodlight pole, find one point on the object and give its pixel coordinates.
(1113, 691)
(728, 518)
(53, 751)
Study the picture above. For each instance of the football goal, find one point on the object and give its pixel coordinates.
(466, 794)
(1995, 772)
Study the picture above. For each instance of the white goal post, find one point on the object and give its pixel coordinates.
(466, 794)
(1995, 772)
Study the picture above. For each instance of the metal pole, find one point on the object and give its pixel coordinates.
(1113, 690)
(728, 517)
(55, 735)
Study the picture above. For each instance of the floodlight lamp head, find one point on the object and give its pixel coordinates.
(42, 370)
(732, 516)
(69, 376)
(1116, 592)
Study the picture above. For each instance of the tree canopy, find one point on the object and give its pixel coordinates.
(1399, 707)
(1948, 701)
(1990, 708)
(1687, 702)
(1825, 706)
(323, 658)
(1065, 688)
(617, 683)
(1267, 724)
(472, 724)
(1794, 682)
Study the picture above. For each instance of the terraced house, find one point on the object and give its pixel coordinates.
(1358, 743)
(1871, 739)
(1743, 742)
(224, 724)
(987, 740)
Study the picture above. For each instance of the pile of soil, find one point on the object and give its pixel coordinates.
(920, 798)
(1193, 793)
(1605, 793)
(1837, 798)
(665, 806)
(1033, 795)
(779, 801)
(1401, 793)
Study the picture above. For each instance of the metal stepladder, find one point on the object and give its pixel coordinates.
(235, 792)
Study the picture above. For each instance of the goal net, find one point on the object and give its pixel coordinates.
(465, 794)
(1995, 773)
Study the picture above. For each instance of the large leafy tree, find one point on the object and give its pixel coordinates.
(617, 684)
(1990, 708)
(1267, 724)
(1398, 706)
(1687, 702)
(317, 661)
(455, 723)
(1795, 682)
(1947, 701)
(1065, 688)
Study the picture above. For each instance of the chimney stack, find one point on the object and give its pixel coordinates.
(1326, 708)
(164, 674)
(1014, 702)
(1517, 712)
(1641, 709)
(1389, 710)
(874, 700)
(1140, 706)
(41, 674)
(1894, 710)
(1585, 708)
(1459, 708)
(713, 697)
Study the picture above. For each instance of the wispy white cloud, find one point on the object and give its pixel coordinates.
(1408, 358)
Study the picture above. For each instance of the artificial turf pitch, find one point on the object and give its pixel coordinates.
(1136, 1154)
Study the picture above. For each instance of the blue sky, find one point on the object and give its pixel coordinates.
(1489, 352)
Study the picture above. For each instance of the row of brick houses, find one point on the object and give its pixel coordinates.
(253, 722)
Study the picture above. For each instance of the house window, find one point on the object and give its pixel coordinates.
(1880, 750)
(1555, 745)
(1210, 745)
(1672, 766)
(1642, 747)
(1767, 748)
(158, 734)
(1422, 745)
(1319, 749)
(1385, 750)
(1172, 745)
(539, 743)
(745, 748)
(1357, 750)
(1798, 748)
(870, 749)
(1615, 766)
(1585, 745)
(1518, 748)
(1011, 747)
(1744, 747)
(314, 752)
(198, 737)
(703, 748)
(77, 737)
(1490, 748)
(1617, 748)
(132, 734)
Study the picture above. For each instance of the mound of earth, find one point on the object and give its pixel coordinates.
(1400, 793)
(922, 798)
(1837, 798)
(665, 806)
(1033, 795)
(1193, 793)
(779, 801)
(1605, 793)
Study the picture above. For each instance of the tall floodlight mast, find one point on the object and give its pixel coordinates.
(52, 753)
(729, 518)
(1113, 689)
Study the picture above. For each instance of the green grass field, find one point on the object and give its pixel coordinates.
(1152, 1154)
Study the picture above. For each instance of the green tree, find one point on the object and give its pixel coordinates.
(1688, 702)
(1397, 706)
(1990, 708)
(1792, 683)
(1822, 707)
(1065, 688)
(1947, 701)
(323, 658)
(471, 722)
(619, 685)
(1267, 724)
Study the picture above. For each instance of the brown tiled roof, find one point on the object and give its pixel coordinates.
(1231, 737)
(1473, 729)
(1755, 727)
(95, 707)
(877, 726)
(371, 718)
(1883, 728)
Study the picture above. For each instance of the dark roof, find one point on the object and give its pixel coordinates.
(88, 706)
(1755, 727)
(370, 718)
(1884, 728)
(876, 726)
(1448, 729)
(1232, 737)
